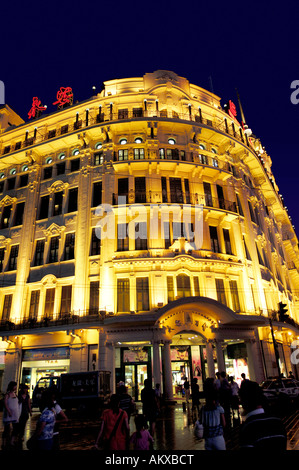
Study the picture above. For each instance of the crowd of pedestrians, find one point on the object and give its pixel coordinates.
(223, 399)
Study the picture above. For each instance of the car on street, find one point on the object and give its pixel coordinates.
(274, 389)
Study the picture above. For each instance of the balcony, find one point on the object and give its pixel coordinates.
(51, 322)
(82, 123)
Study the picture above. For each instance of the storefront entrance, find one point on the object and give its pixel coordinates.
(135, 375)
(38, 363)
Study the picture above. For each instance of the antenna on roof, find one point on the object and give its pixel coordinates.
(241, 109)
(211, 84)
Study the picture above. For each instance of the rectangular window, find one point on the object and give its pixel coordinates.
(122, 237)
(123, 190)
(34, 303)
(187, 192)
(176, 193)
(240, 209)
(138, 154)
(196, 285)
(58, 199)
(51, 133)
(64, 129)
(44, 207)
(183, 286)
(60, 168)
(2, 253)
(12, 265)
(23, 180)
(137, 112)
(73, 200)
(98, 158)
(170, 291)
(122, 155)
(164, 189)
(19, 213)
(11, 182)
(123, 114)
(7, 307)
(95, 248)
(166, 233)
(162, 154)
(235, 296)
(75, 165)
(142, 294)
(39, 253)
(54, 248)
(140, 190)
(220, 291)
(203, 159)
(6, 214)
(69, 249)
(214, 240)
(208, 194)
(227, 242)
(141, 236)
(97, 194)
(94, 298)
(48, 172)
(66, 300)
(123, 295)
(49, 302)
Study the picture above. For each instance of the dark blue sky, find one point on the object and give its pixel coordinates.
(252, 46)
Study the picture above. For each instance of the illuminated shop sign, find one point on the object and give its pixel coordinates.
(36, 108)
(48, 354)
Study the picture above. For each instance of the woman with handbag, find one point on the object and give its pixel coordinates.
(212, 418)
(115, 431)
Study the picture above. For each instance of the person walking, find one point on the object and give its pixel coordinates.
(25, 402)
(114, 431)
(126, 402)
(45, 425)
(260, 430)
(234, 396)
(11, 414)
(212, 418)
(187, 389)
(195, 395)
(141, 439)
(225, 396)
(149, 405)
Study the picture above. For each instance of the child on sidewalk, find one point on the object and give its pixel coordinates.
(141, 439)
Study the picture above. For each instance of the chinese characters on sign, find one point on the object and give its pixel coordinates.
(64, 97)
(36, 108)
(230, 108)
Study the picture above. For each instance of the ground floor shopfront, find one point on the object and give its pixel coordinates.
(192, 338)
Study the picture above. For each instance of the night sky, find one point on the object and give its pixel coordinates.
(252, 46)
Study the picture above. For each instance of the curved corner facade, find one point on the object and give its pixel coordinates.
(142, 232)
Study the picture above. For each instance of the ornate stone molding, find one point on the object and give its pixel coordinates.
(58, 186)
(54, 229)
(7, 201)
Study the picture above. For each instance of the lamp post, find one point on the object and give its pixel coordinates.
(274, 343)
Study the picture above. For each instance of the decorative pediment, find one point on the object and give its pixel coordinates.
(49, 280)
(58, 186)
(7, 200)
(4, 241)
(54, 229)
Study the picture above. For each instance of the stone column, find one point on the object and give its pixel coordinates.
(210, 360)
(157, 374)
(102, 353)
(220, 356)
(110, 363)
(167, 371)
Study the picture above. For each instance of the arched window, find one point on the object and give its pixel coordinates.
(183, 286)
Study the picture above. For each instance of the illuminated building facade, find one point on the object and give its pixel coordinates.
(142, 232)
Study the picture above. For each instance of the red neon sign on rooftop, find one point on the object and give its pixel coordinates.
(36, 108)
(64, 97)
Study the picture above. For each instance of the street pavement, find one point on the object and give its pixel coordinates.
(174, 430)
